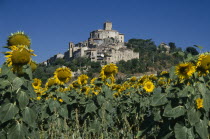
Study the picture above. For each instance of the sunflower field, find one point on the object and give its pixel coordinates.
(173, 104)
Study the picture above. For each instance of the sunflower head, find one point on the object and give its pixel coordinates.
(19, 55)
(143, 79)
(36, 83)
(18, 38)
(86, 90)
(164, 73)
(185, 70)
(75, 84)
(93, 81)
(199, 103)
(108, 70)
(148, 86)
(63, 74)
(82, 79)
(133, 79)
(203, 64)
(51, 81)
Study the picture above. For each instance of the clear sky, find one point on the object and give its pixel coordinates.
(52, 24)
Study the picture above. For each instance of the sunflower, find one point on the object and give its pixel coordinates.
(51, 81)
(63, 74)
(75, 84)
(82, 79)
(19, 55)
(152, 77)
(93, 81)
(148, 86)
(164, 73)
(133, 79)
(18, 38)
(108, 71)
(143, 79)
(203, 64)
(86, 90)
(36, 83)
(116, 87)
(185, 70)
(199, 103)
(162, 81)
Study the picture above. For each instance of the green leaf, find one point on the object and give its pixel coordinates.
(200, 47)
(23, 99)
(63, 111)
(159, 99)
(17, 132)
(29, 116)
(182, 132)
(172, 74)
(28, 71)
(193, 116)
(107, 91)
(3, 134)
(108, 106)
(186, 92)
(53, 105)
(8, 111)
(174, 112)
(17, 83)
(4, 84)
(202, 129)
(202, 88)
(90, 107)
(206, 102)
(157, 116)
(100, 99)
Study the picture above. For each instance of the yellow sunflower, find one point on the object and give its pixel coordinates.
(185, 70)
(19, 55)
(86, 90)
(164, 72)
(18, 38)
(148, 86)
(143, 79)
(133, 79)
(75, 84)
(199, 103)
(203, 64)
(152, 77)
(92, 81)
(51, 81)
(82, 79)
(108, 70)
(63, 74)
(36, 83)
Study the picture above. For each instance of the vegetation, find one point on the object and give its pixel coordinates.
(174, 104)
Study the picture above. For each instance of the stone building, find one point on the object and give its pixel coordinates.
(105, 45)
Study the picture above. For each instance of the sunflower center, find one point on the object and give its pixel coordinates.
(21, 57)
(63, 75)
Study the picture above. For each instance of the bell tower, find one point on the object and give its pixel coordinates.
(108, 26)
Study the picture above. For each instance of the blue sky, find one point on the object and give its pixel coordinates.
(52, 24)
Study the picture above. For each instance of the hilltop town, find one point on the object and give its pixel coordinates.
(104, 45)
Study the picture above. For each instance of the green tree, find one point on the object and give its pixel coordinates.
(191, 50)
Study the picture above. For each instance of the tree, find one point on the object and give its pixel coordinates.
(191, 50)
(172, 46)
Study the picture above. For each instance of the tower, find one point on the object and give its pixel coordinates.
(108, 26)
(71, 49)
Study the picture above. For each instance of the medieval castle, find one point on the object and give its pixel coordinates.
(104, 45)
